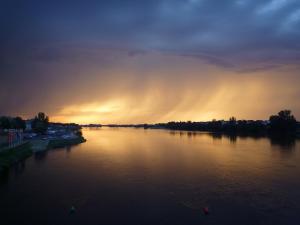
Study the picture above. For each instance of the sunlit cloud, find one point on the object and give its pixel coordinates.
(233, 96)
(106, 107)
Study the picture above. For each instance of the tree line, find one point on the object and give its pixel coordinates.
(282, 123)
(39, 124)
(12, 122)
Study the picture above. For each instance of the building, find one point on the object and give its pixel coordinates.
(28, 125)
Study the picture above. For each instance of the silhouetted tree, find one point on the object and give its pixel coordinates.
(231, 126)
(215, 125)
(283, 123)
(18, 123)
(40, 123)
(4, 122)
(232, 120)
(12, 123)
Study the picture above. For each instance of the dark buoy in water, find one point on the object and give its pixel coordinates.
(205, 210)
(72, 210)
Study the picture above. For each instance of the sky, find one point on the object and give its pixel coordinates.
(122, 61)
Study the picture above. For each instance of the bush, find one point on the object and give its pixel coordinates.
(284, 122)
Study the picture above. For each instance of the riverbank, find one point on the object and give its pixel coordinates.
(13, 155)
(10, 156)
(60, 143)
(40, 145)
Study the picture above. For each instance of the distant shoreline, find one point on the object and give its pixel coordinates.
(204, 127)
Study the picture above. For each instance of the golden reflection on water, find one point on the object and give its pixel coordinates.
(160, 153)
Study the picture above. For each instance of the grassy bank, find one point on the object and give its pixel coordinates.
(60, 143)
(14, 155)
(44, 145)
(21, 152)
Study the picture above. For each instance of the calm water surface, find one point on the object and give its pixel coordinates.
(136, 176)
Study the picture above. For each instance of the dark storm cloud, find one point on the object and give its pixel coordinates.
(235, 29)
(240, 29)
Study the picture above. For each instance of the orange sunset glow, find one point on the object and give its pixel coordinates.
(189, 97)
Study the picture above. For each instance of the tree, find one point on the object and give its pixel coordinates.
(40, 123)
(232, 120)
(283, 122)
(5, 122)
(18, 123)
(12, 123)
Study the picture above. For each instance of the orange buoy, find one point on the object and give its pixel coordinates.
(205, 210)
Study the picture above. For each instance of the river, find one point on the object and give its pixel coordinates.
(136, 176)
